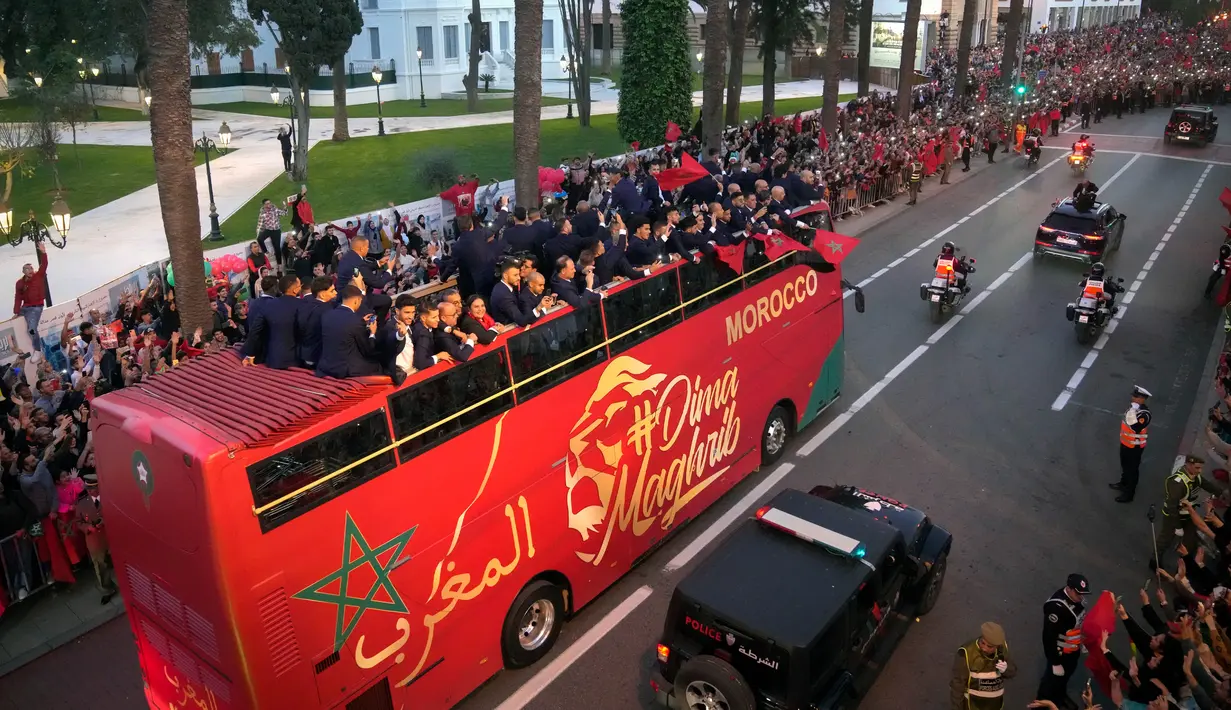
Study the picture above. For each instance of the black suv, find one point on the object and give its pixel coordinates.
(1192, 124)
(1087, 234)
(801, 605)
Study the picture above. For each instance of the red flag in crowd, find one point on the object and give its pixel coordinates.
(823, 141)
(732, 256)
(778, 244)
(636, 146)
(833, 246)
(688, 171)
(799, 123)
(955, 134)
(673, 131)
(1225, 198)
(983, 92)
(878, 152)
(1100, 618)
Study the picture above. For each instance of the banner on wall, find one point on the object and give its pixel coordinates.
(887, 40)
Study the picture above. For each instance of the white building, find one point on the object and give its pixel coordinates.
(1058, 15)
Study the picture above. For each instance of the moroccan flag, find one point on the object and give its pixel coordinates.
(833, 246)
(636, 146)
(878, 152)
(778, 244)
(688, 171)
(823, 141)
(1225, 198)
(673, 131)
(732, 256)
(1100, 618)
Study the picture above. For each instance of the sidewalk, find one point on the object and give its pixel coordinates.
(49, 619)
(110, 241)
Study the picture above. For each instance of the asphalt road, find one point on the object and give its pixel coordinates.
(956, 419)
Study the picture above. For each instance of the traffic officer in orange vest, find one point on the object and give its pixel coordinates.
(1134, 431)
(1063, 614)
(980, 670)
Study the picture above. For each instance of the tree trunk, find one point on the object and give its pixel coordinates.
(833, 66)
(865, 47)
(737, 41)
(585, 63)
(1012, 37)
(608, 37)
(471, 80)
(171, 136)
(906, 68)
(341, 126)
(712, 82)
(527, 100)
(970, 15)
(299, 167)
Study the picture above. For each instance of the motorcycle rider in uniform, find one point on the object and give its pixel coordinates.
(1032, 145)
(1221, 266)
(1063, 614)
(958, 267)
(1098, 285)
(1134, 432)
(980, 670)
(1083, 146)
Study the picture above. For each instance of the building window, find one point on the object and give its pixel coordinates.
(374, 40)
(504, 35)
(423, 36)
(549, 37)
(450, 42)
(371, 4)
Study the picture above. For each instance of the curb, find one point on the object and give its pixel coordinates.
(1194, 426)
(63, 639)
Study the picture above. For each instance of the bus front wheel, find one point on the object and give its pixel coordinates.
(775, 435)
(532, 624)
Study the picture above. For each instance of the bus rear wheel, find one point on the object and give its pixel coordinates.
(775, 435)
(532, 624)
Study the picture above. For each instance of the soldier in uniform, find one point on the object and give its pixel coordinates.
(1062, 617)
(1182, 485)
(980, 670)
(1134, 431)
(90, 522)
(916, 177)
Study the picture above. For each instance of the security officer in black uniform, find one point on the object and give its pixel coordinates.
(1134, 433)
(1221, 266)
(1063, 614)
(916, 178)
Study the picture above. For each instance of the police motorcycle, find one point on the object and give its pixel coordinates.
(1032, 148)
(1094, 308)
(1082, 155)
(948, 288)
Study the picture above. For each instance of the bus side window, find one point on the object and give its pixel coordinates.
(703, 284)
(573, 342)
(758, 260)
(652, 303)
(461, 388)
(290, 470)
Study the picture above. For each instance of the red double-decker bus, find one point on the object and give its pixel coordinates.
(287, 541)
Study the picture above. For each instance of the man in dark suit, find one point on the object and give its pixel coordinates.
(423, 339)
(712, 161)
(348, 341)
(476, 252)
(650, 191)
(586, 222)
(308, 319)
(253, 348)
(562, 283)
(504, 304)
(801, 188)
(394, 342)
(355, 263)
(534, 295)
(624, 197)
(642, 250)
(610, 264)
(565, 243)
(451, 339)
(273, 328)
(521, 235)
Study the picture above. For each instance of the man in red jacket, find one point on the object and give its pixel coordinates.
(31, 294)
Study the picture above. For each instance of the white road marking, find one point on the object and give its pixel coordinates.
(568, 656)
(1062, 399)
(1152, 155)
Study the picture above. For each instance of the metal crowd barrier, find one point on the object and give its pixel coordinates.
(20, 568)
(851, 201)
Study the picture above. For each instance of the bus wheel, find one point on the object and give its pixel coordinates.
(774, 437)
(532, 624)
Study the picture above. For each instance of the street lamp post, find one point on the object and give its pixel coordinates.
(566, 66)
(287, 101)
(94, 70)
(700, 62)
(380, 111)
(422, 96)
(205, 145)
(37, 232)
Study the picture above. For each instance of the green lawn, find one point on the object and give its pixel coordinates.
(106, 173)
(366, 173)
(16, 111)
(749, 79)
(392, 109)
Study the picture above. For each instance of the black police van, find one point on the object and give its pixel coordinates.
(1192, 124)
(800, 606)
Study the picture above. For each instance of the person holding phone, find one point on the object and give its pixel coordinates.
(348, 340)
(354, 263)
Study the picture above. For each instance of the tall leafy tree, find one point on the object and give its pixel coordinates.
(656, 84)
(579, 44)
(970, 15)
(1012, 38)
(782, 24)
(833, 66)
(471, 80)
(906, 68)
(865, 47)
(312, 34)
(172, 139)
(527, 99)
(714, 78)
(741, 16)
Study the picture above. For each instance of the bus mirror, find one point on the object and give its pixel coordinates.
(859, 302)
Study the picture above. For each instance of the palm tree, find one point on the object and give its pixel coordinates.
(715, 69)
(527, 99)
(833, 67)
(605, 69)
(471, 80)
(970, 11)
(737, 40)
(906, 68)
(341, 126)
(171, 135)
(865, 47)
(1012, 37)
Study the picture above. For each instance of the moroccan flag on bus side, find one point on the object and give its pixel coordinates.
(833, 246)
(673, 131)
(688, 171)
(732, 256)
(778, 244)
(1100, 618)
